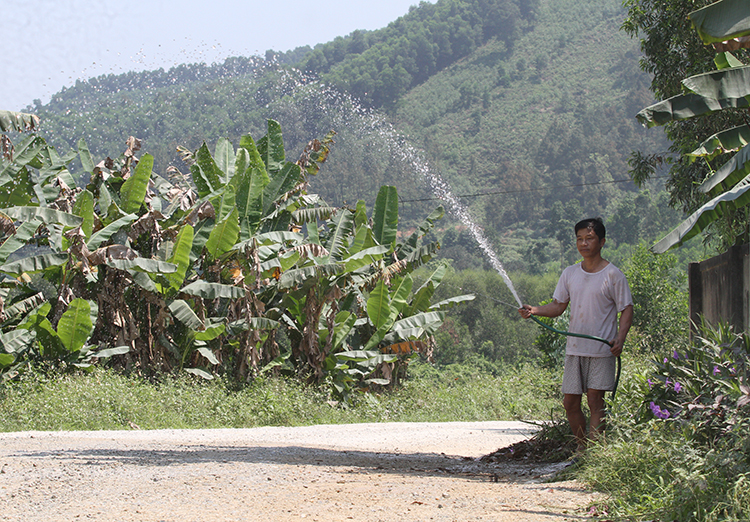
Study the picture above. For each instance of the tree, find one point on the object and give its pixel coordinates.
(700, 106)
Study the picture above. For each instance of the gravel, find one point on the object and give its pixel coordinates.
(367, 472)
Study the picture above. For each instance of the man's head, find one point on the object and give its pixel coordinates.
(594, 224)
(590, 238)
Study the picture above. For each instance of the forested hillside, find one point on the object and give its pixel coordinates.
(528, 105)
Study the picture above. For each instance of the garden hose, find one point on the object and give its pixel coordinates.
(585, 336)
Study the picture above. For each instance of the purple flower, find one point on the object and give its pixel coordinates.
(650, 383)
(675, 354)
(665, 360)
(716, 370)
(677, 387)
(658, 412)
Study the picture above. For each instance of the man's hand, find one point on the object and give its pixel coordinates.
(526, 311)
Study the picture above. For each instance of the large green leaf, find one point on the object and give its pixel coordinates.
(208, 290)
(281, 182)
(224, 202)
(143, 264)
(87, 161)
(271, 148)
(400, 293)
(725, 84)
(133, 191)
(44, 214)
(77, 323)
(365, 257)
(22, 235)
(685, 106)
(299, 276)
(422, 299)
(722, 21)
(250, 187)
(339, 239)
(735, 198)
(33, 264)
(385, 215)
(379, 305)
(206, 174)
(224, 159)
(427, 322)
(84, 207)
(223, 236)
(452, 301)
(734, 170)
(185, 314)
(730, 140)
(107, 232)
(19, 340)
(17, 121)
(183, 243)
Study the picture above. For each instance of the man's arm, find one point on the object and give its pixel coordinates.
(552, 309)
(626, 320)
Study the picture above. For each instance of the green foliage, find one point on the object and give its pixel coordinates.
(184, 279)
(681, 451)
(104, 399)
(660, 306)
(695, 108)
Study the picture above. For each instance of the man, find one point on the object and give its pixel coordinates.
(596, 291)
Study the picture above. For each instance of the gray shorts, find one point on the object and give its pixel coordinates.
(588, 373)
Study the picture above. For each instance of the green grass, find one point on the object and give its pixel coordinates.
(106, 400)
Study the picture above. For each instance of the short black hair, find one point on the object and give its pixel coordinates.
(596, 224)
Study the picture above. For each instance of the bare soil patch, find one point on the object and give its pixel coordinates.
(366, 472)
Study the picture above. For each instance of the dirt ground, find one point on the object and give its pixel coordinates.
(364, 472)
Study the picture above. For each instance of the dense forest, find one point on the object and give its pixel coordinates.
(525, 108)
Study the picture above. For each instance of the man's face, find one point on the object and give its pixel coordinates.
(588, 243)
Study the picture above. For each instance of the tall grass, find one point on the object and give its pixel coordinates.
(106, 400)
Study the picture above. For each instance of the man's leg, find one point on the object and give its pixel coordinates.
(576, 418)
(596, 407)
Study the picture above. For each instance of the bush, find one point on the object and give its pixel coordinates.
(684, 452)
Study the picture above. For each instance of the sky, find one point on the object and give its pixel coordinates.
(46, 45)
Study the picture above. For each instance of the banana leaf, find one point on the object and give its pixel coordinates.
(18, 121)
(223, 236)
(43, 214)
(737, 197)
(365, 257)
(339, 239)
(385, 215)
(208, 290)
(225, 158)
(206, 173)
(142, 264)
(133, 191)
(281, 182)
(379, 305)
(271, 148)
(733, 171)
(110, 230)
(726, 84)
(16, 341)
(184, 313)
(722, 21)
(23, 233)
(729, 140)
(84, 154)
(685, 106)
(452, 301)
(33, 264)
(77, 323)
(183, 243)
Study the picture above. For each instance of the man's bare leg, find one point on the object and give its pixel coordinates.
(576, 418)
(596, 407)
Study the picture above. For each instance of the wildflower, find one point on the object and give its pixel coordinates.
(658, 412)
(677, 387)
(675, 354)
(650, 383)
(716, 370)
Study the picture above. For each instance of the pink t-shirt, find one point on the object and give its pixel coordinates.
(594, 300)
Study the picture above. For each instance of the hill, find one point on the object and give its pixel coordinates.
(500, 97)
